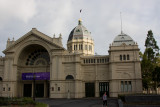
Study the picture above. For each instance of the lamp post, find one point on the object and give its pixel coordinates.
(34, 86)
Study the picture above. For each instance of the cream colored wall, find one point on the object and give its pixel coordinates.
(83, 42)
(125, 70)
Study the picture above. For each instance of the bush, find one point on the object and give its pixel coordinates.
(16, 101)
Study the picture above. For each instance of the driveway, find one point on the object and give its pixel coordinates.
(84, 102)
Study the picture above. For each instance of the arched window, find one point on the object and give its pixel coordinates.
(121, 57)
(69, 77)
(124, 57)
(128, 57)
(0, 78)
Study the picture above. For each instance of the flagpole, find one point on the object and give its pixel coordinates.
(121, 22)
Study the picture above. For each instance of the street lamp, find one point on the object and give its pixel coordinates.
(34, 86)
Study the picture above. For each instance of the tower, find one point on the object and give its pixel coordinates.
(125, 69)
(80, 40)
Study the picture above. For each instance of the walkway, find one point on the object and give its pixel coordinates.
(85, 102)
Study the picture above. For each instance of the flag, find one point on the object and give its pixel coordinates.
(80, 10)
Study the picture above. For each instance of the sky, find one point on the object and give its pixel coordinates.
(100, 17)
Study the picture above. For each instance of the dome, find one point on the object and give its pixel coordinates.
(79, 32)
(123, 38)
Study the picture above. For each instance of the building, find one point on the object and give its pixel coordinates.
(39, 63)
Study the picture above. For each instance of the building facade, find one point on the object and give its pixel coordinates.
(37, 63)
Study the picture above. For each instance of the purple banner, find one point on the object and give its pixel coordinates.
(37, 76)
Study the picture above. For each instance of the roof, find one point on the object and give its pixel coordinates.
(123, 38)
(79, 32)
(36, 33)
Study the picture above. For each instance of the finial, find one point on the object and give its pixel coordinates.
(54, 35)
(121, 22)
(79, 22)
(60, 35)
(13, 39)
(8, 39)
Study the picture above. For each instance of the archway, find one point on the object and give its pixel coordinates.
(70, 86)
(34, 71)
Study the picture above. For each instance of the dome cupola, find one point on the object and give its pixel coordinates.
(123, 38)
(80, 40)
(79, 32)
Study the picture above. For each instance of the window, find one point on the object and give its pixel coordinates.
(122, 86)
(124, 57)
(58, 88)
(90, 47)
(102, 60)
(52, 88)
(127, 57)
(74, 47)
(3, 88)
(69, 77)
(126, 86)
(121, 57)
(97, 60)
(85, 47)
(84, 61)
(79, 47)
(0, 78)
(9, 88)
(91, 60)
(129, 86)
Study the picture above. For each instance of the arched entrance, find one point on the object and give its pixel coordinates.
(34, 71)
(70, 87)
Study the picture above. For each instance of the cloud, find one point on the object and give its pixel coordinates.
(22, 10)
(100, 17)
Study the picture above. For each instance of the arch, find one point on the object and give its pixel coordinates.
(22, 47)
(69, 77)
(1, 79)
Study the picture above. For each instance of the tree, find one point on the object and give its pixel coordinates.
(149, 61)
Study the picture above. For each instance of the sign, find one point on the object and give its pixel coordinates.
(37, 76)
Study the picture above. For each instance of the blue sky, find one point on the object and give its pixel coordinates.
(100, 17)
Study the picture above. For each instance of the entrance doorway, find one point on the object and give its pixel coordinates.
(27, 90)
(103, 87)
(39, 90)
(90, 89)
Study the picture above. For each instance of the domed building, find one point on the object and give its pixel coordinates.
(80, 40)
(37, 65)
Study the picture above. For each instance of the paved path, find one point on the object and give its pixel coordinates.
(85, 102)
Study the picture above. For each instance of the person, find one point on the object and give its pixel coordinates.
(105, 99)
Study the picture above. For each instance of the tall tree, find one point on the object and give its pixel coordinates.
(149, 60)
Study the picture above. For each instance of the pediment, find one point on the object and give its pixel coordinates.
(123, 44)
(33, 36)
